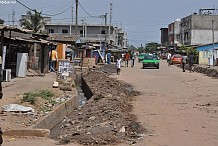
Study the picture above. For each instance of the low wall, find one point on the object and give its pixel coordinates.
(56, 116)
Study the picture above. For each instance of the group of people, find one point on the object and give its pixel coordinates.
(127, 58)
(185, 60)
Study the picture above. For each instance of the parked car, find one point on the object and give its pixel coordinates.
(163, 56)
(141, 56)
(150, 61)
(176, 59)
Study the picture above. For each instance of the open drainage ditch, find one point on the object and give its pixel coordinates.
(84, 94)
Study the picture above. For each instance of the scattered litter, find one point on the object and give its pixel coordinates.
(16, 108)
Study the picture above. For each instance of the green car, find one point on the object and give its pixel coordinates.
(151, 61)
(141, 56)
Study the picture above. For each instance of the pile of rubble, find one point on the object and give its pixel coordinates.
(106, 117)
(211, 72)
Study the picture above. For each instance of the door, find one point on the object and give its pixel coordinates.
(21, 68)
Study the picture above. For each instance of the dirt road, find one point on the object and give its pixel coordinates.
(178, 108)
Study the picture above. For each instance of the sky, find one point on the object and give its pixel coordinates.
(141, 19)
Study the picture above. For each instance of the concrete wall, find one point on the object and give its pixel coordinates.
(197, 29)
(56, 116)
(202, 60)
(202, 37)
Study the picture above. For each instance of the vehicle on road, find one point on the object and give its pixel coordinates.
(176, 59)
(150, 61)
(141, 56)
(163, 56)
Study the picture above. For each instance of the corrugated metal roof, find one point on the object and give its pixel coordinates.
(63, 37)
(11, 28)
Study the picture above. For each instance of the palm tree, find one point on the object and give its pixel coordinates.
(34, 22)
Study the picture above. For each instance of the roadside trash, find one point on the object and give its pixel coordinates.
(16, 108)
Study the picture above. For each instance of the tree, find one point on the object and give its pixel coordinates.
(150, 47)
(34, 21)
(2, 21)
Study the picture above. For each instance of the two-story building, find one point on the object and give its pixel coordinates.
(91, 33)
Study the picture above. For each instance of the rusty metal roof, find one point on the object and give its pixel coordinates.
(11, 28)
(63, 37)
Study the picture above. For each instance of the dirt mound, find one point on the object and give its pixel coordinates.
(105, 118)
(108, 68)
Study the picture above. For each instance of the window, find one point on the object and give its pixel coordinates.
(103, 32)
(64, 31)
(81, 31)
(207, 54)
(51, 31)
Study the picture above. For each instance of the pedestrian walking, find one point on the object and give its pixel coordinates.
(191, 62)
(108, 58)
(118, 65)
(133, 59)
(184, 61)
(53, 60)
(126, 59)
(169, 58)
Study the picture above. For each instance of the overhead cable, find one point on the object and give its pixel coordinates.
(44, 13)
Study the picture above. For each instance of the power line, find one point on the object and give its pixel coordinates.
(44, 13)
(88, 12)
(58, 13)
(24, 5)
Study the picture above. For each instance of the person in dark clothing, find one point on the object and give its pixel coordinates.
(184, 61)
(191, 62)
(1, 139)
(133, 57)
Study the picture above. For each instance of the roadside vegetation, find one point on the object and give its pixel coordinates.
(42, 99)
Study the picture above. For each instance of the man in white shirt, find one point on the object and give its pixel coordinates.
(118, 65)
(169, 59)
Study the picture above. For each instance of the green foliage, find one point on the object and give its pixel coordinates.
(189, 50)
(152, 46)
(35, 21)
(2, 21)
(45, 94)
(31, 97)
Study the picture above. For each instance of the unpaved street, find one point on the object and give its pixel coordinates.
(178, 109)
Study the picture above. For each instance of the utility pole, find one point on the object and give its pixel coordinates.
(71, 20)
(105, 19)
(213, 41)
(83, 28)
(110, 22)
(77, 15)
(13, 18)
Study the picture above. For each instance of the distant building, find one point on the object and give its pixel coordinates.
(164, 36)
(174, 33)
(91, 33)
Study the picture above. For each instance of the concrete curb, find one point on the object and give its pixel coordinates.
(27, 132)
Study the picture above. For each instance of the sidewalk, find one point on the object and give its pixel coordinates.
(16, 87)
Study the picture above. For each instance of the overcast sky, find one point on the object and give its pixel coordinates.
(141, 19)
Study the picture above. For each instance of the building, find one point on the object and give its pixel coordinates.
(91, 33)
(174, 33)
(206, 54)
(164, 36)
(199, 29)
